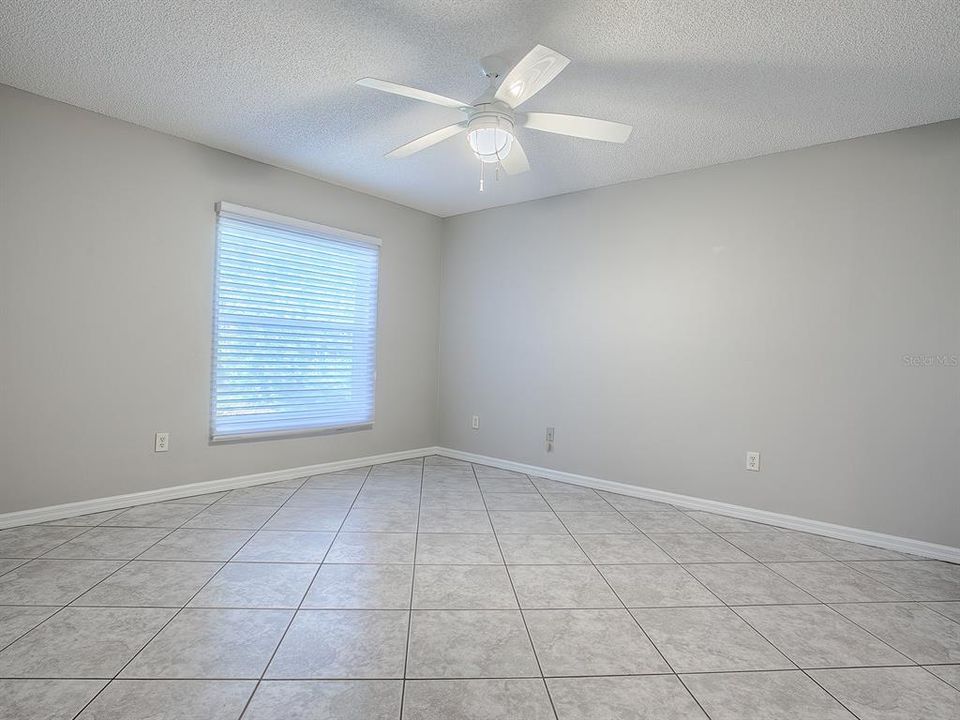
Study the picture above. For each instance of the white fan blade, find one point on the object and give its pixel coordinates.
(577, 126)
(427, 140)
(516, 160)
(411, 92)
(530, 75)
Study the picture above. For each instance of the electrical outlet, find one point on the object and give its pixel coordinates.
(548, 439)
(161, 442)
(753, 461)
(475, 422)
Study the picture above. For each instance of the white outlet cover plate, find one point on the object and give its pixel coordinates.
(753, 461)
(161, 442)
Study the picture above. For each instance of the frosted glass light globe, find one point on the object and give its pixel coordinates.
(490, 144)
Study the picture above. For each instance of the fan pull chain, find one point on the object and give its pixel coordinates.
(481, 175)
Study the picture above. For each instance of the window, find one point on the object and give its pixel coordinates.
(295, 327)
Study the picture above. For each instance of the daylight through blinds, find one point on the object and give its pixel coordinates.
(294, 328)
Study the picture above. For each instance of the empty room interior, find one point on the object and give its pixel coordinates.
(435, 360)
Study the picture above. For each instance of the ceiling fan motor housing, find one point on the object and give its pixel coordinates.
(494, 67)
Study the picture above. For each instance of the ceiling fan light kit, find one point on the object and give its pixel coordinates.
(490, 135)
(491, 121)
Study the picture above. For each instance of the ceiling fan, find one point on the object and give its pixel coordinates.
(491, 121)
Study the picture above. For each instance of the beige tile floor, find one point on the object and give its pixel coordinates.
(435, 589)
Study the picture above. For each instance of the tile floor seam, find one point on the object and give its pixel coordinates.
(179, 611)
(928, 603)
(632, 616)
(516, 596)
(852, 565)
(124, 564)
(413, 584)
(803, 670)
(916, 663)
(743, 619)
(549, 676)
(927, 667)
(772, 644)
(828, 559)
(819, 602)
(377, 532)
(843, 617)
(597, 570)
(306, 590)
(835, 698)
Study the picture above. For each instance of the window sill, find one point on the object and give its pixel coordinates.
(286, 434)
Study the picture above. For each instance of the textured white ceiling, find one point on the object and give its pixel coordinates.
(702, 82)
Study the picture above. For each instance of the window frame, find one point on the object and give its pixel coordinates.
(323, 232)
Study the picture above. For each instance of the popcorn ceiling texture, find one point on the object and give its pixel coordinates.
(702, 82)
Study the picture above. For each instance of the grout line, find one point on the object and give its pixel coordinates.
(760, 634)
(670, 561)
(835, 698)
(627, 610)
(444, 609)
(413, 582)
(180, 610)
(314, 678)
(306, 591)
(928, 603)
(718, 604)
(851, 564)
(772, 644)
(763, 564)
(516, 596)
(844, 617)
(124, 563)
(750, 625)
(848, 564)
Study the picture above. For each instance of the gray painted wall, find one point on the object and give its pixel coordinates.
(106, 252)
(668, 326)
(665, 327)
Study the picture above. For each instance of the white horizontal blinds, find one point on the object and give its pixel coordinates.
(294, 328)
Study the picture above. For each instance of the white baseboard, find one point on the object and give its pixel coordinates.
(841, 532)
(115, 502)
